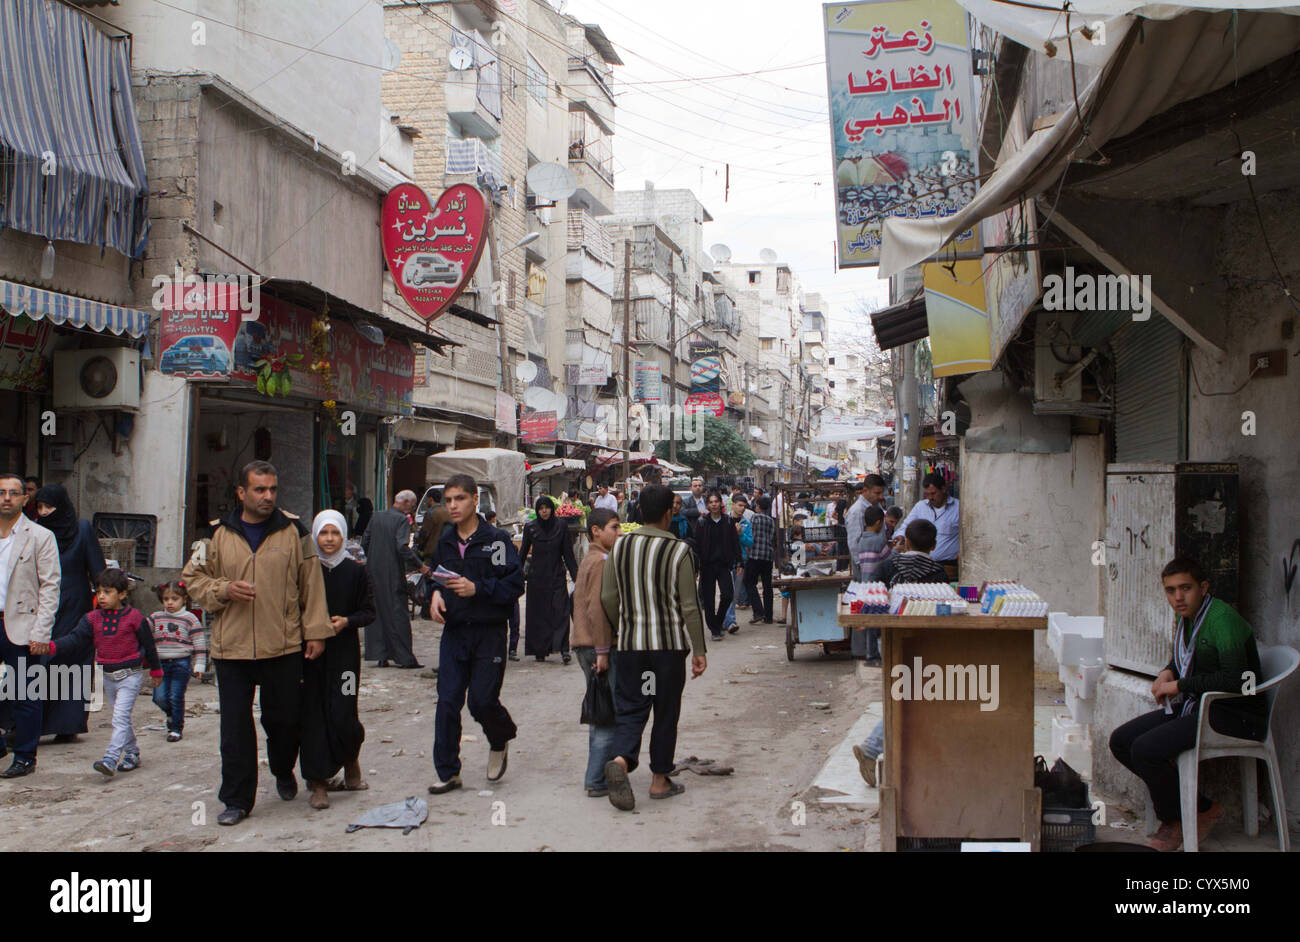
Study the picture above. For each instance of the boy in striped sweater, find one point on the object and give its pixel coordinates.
(182, 649)
(649, 595)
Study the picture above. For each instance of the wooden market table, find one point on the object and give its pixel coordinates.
(953, 771)
(813, 617)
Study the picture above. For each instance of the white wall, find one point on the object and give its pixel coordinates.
(1033, 518)
(337, 101)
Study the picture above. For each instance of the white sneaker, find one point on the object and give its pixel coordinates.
(497, 763)
(440, 787)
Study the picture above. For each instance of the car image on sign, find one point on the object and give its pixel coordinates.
(428, 268)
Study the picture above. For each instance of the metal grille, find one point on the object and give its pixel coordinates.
(1150, 393)
(142, 528)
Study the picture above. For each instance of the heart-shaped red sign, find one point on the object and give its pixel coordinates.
(433, 246)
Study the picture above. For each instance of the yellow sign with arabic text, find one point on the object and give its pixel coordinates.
(959, 320)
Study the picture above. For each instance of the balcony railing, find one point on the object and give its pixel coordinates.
(588, 144)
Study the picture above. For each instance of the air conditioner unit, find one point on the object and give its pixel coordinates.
(1053, 359)
(98, 378)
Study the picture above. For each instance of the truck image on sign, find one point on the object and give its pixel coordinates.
(430, 268)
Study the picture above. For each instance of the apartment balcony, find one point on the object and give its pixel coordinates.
(471, 157)
(480, 14)
(589, 89)
(591, 158)
(469, 106)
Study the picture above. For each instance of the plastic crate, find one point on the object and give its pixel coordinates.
(1064, 829)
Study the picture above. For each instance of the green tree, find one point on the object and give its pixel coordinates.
(722, 450)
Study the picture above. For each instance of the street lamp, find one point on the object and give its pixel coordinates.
(526, 240)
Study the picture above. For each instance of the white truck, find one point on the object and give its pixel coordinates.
(498, 472)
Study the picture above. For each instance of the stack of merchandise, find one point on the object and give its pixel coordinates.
(867, 598)
(1011, 600)
(925, 598)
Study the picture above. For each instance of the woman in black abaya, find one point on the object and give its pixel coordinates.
(546, 600)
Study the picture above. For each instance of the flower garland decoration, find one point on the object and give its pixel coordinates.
(321, 365)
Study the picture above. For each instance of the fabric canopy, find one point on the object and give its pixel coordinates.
(74, 312)
(69, 141)
(1187, 52)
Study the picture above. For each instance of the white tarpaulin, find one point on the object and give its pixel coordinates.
(1188, 51)
(850, 432)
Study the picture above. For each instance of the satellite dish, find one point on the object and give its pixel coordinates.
(721, 252)
(526, 370)
(551, 181)
(767, 255)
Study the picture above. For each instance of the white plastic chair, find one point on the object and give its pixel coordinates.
(1277, 663)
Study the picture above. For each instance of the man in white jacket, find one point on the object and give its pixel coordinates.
(29, 597)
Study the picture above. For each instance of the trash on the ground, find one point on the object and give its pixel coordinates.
(701, 766)
(407, 815)
(372, 771)
(486, 793)
(819, 705)
(749, 670)
(399, 752)
(387, 739)
(1122, 824)
(469, 737)
(412, 712)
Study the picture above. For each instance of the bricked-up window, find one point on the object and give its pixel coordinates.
(537, 81)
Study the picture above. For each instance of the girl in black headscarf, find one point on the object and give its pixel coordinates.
(546, 612)
(81, 560)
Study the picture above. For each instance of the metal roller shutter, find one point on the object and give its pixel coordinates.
(1150, 393)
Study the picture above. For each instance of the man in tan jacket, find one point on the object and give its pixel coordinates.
(29, 597)
(593, 637)
(259, 575)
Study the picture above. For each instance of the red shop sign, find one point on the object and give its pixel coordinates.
(433, 246)
(709, 403)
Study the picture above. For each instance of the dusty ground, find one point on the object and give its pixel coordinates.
(750, 710)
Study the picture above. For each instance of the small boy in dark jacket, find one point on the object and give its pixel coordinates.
(124, 649)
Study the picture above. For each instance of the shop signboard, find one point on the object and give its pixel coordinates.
(375, 377)
(959, 322)
(902, 121)
(433, 246)
(538, 427)
(704, 403)
(196, 334)
(507, 414)
(706, 366)
(647, 382)
(25, 348)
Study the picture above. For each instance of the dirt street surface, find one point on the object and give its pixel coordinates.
(751, 710)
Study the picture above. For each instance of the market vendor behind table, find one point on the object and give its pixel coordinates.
(945, 513)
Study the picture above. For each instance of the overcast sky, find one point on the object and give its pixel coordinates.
(772, 128)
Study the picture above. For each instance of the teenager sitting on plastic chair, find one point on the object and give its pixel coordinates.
(1213, 649)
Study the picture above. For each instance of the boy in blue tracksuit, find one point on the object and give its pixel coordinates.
(475, 609)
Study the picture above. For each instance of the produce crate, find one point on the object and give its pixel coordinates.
(1064, 829)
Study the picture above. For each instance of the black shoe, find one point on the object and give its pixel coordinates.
(381, 663)
(566, 658)
(20, 768)
(411, 666)
(767, 621)
(231, 816)
(286, 788)
(756, 620)
(717, 636)
(734, 628)
(541, 658)
(514, 656)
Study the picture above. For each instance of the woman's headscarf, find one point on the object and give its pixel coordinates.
(63, 521)
(546, 527)
(323, 519)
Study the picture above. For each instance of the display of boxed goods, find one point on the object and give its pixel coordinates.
(925, 598)
(1011, 600)
(867, 598)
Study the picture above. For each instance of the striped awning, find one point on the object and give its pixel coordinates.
(65, 310)
(71, 164)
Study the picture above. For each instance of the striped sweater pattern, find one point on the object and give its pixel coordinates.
(650, 611)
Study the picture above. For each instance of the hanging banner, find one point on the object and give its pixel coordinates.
(647, 382)
(378, 378)
(959, 321)
(25, 350)
(507, 414)
(433, 246)
(706, 366)
(705, 403)
(902, 121)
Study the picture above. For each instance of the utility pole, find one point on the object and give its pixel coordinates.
(672, 366)
(627, 362)
(907, 435)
